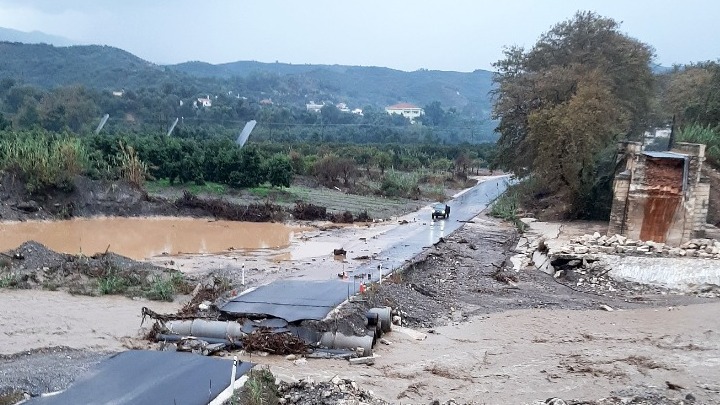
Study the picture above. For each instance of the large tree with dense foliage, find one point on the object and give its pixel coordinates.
(581, 87)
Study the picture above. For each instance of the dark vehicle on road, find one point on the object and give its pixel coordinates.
(440, 210)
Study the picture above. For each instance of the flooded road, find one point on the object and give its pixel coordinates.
(141, 238)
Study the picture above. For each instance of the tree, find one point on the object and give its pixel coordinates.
(581, 87)
(383, 161)
(279, 171)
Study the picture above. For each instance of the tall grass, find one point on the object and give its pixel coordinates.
(45, 161)
(506, 207)
(698, 134)
(132, 169)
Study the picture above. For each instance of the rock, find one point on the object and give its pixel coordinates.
(336, 380)
(300, 361)
(606, 308)
(370, 360)
(396, 320)
(28, 206)
(643, 248)
(290, 357)
(326, 393)
(620, 239)
(581, 250)
(596, 235)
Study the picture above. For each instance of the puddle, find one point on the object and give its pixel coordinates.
(141, 238)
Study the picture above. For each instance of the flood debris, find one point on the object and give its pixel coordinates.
(336, 391)
(309, 212)
(266, 340)
(223, 209)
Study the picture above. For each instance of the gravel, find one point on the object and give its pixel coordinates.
(44, 370)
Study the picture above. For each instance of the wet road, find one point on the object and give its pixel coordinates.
(407, 241)
(402, 244)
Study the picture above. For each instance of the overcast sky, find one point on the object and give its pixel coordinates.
(461, 35)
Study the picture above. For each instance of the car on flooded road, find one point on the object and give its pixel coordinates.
(440, 210)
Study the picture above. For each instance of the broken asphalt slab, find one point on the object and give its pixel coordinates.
(140, 377)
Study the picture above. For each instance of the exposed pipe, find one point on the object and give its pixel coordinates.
(207, 329)
(385, 317)
(334, 340)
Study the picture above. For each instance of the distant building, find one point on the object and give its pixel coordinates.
(407, 110)
(313, 107)
(357, 111)
(266, 101)
(205, 101)
(118, 93)
(342, 107)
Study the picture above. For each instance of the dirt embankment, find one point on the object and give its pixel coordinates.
(89, 197)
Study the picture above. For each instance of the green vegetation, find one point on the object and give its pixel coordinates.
(695, 133)
(163, 288)
(259, 389)
(582, 87)
(112, 283)
(506, 207)
(83, 78)
(9, 281)
(46, 160)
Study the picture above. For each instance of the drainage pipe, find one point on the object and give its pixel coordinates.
(372, 319)
(385, 317)
(208, 329)
(340, 341)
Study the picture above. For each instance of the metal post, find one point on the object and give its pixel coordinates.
(234, 371)
(243, 274)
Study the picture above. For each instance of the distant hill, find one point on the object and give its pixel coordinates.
(108, 68)
(362, 85)
(95, 66)
(34, 37)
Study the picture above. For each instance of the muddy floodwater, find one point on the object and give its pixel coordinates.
(141, 238)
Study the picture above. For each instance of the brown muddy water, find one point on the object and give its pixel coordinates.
(141, 238)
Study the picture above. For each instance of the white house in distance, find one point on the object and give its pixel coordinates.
(407, 110)
(205, 101)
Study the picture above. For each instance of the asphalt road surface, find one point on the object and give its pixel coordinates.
(281, 298)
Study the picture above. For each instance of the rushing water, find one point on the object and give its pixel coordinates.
(140, 238)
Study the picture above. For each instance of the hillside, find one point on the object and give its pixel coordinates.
(361, 85)
(108, 68)
(94, 66)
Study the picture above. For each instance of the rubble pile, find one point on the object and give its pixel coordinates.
(618, 244)
(336, 391)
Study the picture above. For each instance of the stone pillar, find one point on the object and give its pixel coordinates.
(618, 212)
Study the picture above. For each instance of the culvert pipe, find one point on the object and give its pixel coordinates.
(333, 340)
(372, 319)
(207, 329)
(384, 313)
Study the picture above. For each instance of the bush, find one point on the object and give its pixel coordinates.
(398, 184)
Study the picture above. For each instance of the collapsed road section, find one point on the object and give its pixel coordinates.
(307, 308)
(139, 377)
